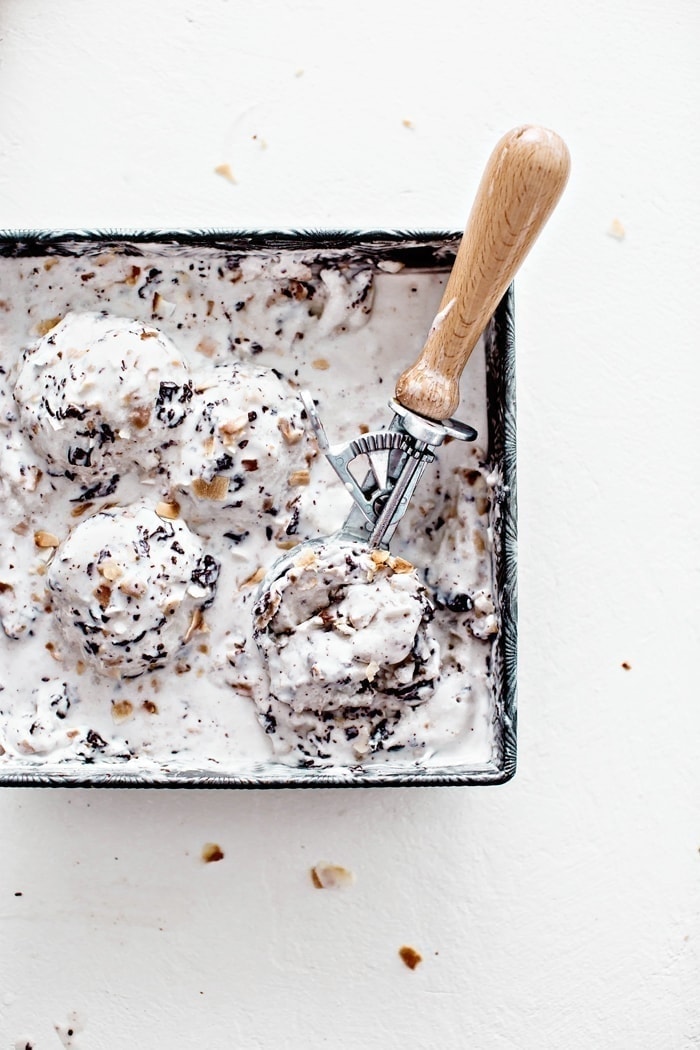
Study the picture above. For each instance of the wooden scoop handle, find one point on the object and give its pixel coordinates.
(523, 180)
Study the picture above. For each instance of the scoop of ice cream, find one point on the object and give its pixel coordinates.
(347, 627)
(128, 588)
(98, 395)
(242, 453)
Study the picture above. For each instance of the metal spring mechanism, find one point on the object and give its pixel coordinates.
(394, 461)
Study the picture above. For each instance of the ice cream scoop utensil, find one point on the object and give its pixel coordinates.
(396, 459)
(523, 180)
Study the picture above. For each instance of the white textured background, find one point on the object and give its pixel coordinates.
(560, 910)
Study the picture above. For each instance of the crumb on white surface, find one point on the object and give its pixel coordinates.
(212, 852)
(616, 230)
(331, 876)
(410, 957)
(224, 170)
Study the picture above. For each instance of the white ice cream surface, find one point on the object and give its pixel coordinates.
(152, 439)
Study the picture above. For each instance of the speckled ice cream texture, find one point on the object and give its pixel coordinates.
(92, 394)
(128, 589)
(239, 331)
(240, 454)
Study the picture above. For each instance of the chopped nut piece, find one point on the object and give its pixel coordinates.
(371, 670)
(616, 230)
(122, 710)
(286, 545)
(224, 170)
(242, 687)
(32, 477)
(298, 290)
(196, 624)
(43, 327)
(400, 565)
(626, 666)
(234, 427)
(257, 576)
(212, 852)
(134, 588)
(410, 957)
(163, 306)
(169, 509)
(103, 593)
(379, 557)
(390, 265)
(331, 876)
(110, 569)
(150, 707)
(140, 417)
(216, 489)
(203, 384)
(206, 346)
(55, 653)
(80, 509)
(290, 433)
(321, 364)
(46, 539)
(299, 477)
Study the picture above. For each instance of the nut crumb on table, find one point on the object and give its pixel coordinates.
(212, 852)
(410, 957)
(331, 876)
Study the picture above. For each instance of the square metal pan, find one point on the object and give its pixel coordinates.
(425, 251)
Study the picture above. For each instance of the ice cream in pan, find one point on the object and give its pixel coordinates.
(340, 621)
(154, 466)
